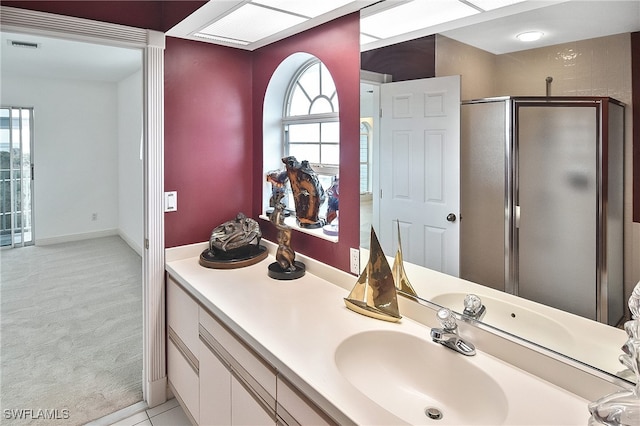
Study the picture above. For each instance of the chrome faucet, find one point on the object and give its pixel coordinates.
(448, 334)
(473, 307)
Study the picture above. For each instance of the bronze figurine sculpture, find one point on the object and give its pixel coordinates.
(233, 244)
(285, 267)
(308, 194)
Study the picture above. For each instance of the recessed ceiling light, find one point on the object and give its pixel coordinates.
(530, 36)
(222, 39)
(250, 23)
(308, 8)
(415, 15)
(492, 4)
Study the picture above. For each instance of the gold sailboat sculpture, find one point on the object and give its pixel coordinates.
(399, 274)
(374, 294)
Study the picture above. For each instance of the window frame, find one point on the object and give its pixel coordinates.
(320, 167)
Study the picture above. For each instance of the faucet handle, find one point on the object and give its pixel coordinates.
(473, 307)
(447, 320)
(472, 303)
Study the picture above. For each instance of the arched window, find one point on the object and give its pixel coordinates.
(310, 120)
(301, 119)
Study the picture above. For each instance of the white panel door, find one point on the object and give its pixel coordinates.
(420, 171)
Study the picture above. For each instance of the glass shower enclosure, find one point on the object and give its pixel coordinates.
(542, 200)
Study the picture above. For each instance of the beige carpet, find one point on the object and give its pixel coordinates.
(70, 331)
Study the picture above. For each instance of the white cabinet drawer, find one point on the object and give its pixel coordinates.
(259, 375)
(182, 316)
(296, 409)
(184, 380)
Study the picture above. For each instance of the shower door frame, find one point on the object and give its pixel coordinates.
(512, 285)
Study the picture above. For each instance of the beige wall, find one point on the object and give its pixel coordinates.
(595, 67)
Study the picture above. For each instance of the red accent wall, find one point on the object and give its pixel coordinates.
(159, 15)
(208, 144)
(337, 45)
(409, 60)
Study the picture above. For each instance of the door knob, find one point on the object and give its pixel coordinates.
(451, 217)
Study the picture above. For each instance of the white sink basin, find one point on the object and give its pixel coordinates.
(406, 375)
(513, 319)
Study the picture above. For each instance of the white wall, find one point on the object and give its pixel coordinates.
(76, 152)
(130, 167)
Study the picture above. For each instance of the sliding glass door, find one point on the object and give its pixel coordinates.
(16, 176)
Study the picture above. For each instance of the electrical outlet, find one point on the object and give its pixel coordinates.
(354, 260)
(94, 216)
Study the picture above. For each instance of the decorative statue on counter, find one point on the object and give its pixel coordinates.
(375, 294)
(285, 267)
(308, 194)
(333, 193)
(623, 407)
(334, 199)
(278, 180)
(234, 244)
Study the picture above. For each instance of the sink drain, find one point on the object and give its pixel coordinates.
(433, 413)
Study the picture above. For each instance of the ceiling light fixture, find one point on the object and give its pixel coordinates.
(250, 23)
(222, 39)
(405, 17)
(530, 36)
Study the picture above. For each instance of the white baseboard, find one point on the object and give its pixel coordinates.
(75, 237)
(156, 392)
(135, 245)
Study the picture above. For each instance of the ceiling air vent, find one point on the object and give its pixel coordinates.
(25, 44)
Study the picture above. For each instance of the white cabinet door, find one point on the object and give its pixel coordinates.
(246, 408)
(215, 389)
(183, 348)
(296, 409)
(183, 378)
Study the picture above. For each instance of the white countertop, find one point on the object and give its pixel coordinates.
(297, 325)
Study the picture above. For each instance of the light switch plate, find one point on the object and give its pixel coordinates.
(171, 201)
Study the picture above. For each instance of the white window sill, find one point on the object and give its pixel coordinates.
(317, 232)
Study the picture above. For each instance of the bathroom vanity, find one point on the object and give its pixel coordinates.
(243, 348)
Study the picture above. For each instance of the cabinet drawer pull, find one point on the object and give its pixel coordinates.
(184, 350)
(237, 370)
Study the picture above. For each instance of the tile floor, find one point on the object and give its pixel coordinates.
(168, 414)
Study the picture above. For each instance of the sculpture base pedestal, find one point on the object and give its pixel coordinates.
(255, 254)
(276, 272)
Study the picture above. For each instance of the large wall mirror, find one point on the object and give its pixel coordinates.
(585, 66)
